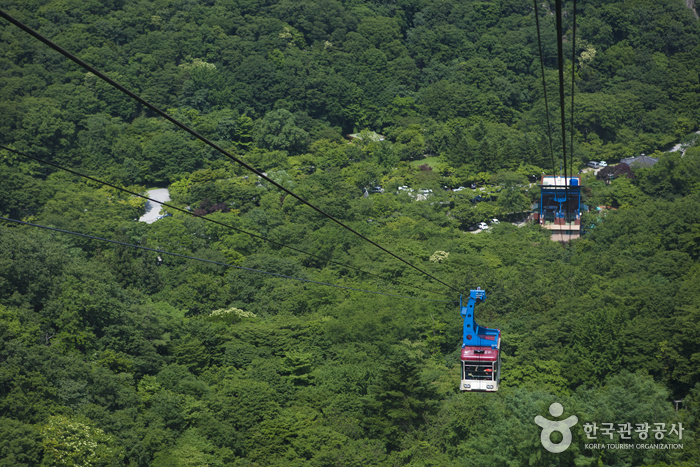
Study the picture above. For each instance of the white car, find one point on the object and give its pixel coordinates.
(603, 164)
(483, 226)
(495, 221)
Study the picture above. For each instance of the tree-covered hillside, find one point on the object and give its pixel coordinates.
(455, 79)
(111, 355)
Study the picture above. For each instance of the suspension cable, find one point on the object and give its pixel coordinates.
(544, 89)
(192, 132)
(573, 79)
(560, 56)
(221, 264)
(170, 206)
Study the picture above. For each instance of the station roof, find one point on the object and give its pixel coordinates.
(556, 181)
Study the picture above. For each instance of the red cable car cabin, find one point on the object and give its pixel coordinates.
(481, 354)
(481, 368)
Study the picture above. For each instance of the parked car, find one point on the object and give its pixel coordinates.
(603, 164)
(376, 189)
(473, 186)
(483, 226)
(495, 221)
(594, 165)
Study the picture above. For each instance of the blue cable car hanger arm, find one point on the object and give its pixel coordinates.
(473, 334)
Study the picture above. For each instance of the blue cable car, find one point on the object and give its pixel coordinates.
(481, 350)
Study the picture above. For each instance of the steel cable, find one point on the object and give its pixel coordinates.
(170, 206)
(221, 264)
(176, 122)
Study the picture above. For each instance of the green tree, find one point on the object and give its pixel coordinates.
(20, 444)
(73, 441)
(511, 198)
(169, 155)
(278, 131)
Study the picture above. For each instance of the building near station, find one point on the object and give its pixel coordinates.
(640, 161)
(559, 209)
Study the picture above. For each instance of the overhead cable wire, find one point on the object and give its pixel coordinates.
(560, 57)
(192, 132)
(544, 89)
(573, 80)
(221, 264)
(170, 206)
(549, 133)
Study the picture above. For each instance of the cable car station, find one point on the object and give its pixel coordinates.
(559, 208)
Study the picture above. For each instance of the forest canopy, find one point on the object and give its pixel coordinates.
(111, 355)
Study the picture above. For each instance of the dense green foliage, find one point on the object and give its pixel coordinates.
(114, 356)
(455, 79)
